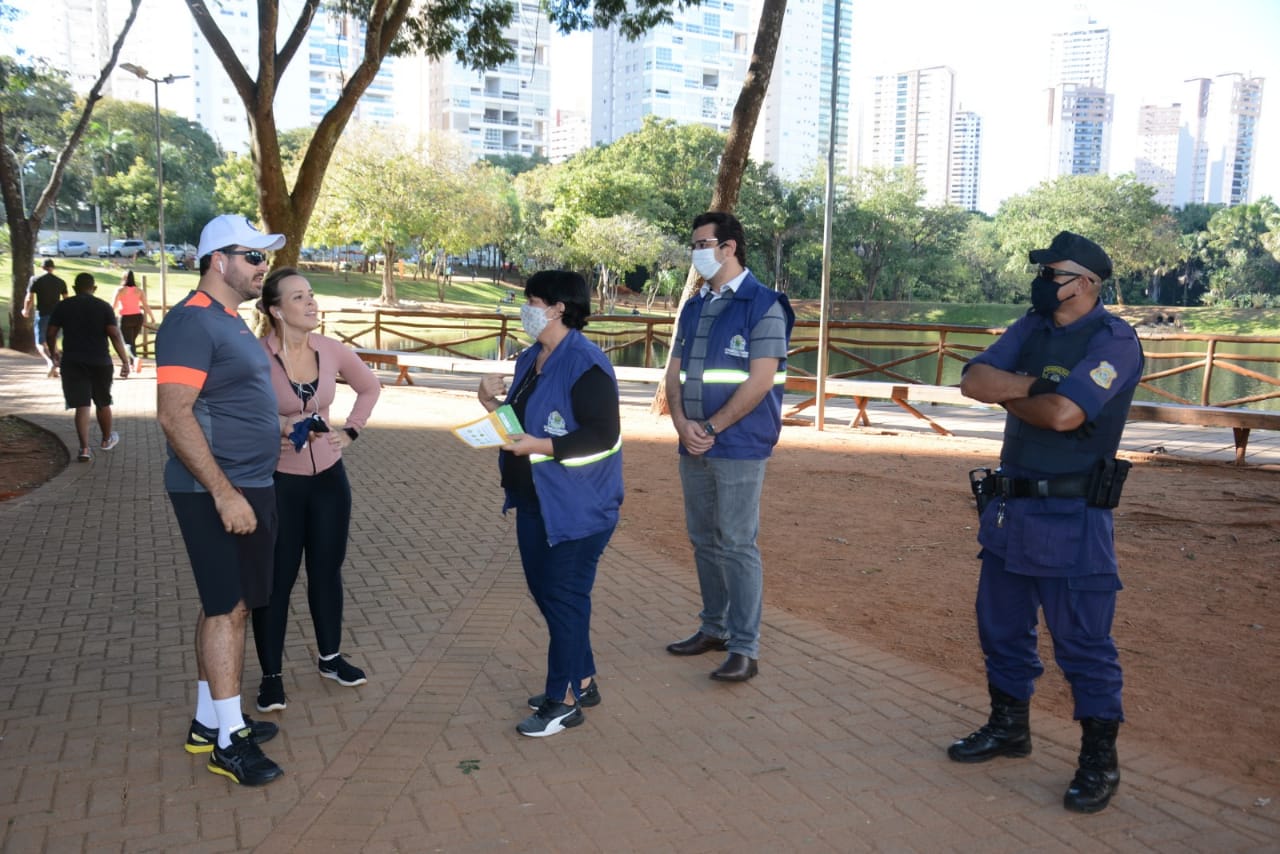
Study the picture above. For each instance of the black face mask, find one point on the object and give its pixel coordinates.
(1044, 296)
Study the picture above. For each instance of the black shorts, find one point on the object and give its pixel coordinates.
(82, 384)
(228, 568)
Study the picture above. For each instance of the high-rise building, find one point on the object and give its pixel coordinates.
(1080, 52)
(1156, 163)
(507, 109)
(966, 159)
(795, 120)
(1080, 120)
(911, 125)
(1219, 117)
(1080, 110)
(690, 71)
(570, 133)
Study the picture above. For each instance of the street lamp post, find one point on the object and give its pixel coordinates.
(139, 71)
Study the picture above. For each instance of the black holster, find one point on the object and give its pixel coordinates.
(1106, 482)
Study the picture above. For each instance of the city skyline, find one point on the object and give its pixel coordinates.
(999, 50)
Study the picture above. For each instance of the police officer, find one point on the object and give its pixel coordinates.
(1066, 373)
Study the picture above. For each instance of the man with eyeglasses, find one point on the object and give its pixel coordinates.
(215, 404)
(724, 384)
(1066, 372)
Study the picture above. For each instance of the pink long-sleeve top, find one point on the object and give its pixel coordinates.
(336, 360)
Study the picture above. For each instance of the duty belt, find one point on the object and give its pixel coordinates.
(1072, 486)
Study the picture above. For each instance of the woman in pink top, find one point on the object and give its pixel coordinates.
(313, 496)
(130, 303)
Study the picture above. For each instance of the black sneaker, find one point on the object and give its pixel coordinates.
(201, 738)
(271, 696)
(341, 672)
(243, 761)
(550, 718)
(590, 697)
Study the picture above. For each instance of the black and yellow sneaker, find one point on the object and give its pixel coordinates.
(201, 738)
(243, 761)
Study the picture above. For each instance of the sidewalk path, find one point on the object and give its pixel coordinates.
(836, 746)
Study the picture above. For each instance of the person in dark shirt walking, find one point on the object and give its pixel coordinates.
(43, 293)
(86, 324)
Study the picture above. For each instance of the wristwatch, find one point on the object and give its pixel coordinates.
(709, 427)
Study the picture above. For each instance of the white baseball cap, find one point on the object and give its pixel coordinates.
(234, 230)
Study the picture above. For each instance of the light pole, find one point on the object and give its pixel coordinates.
(139, 71)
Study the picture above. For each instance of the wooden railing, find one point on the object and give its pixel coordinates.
(446, 332)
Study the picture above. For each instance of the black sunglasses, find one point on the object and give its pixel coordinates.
(1052, 275)
(253, 256)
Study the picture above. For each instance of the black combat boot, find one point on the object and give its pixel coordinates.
(1099, 772)
(1007, 733)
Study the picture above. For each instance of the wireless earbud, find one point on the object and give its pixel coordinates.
(278, 315)
(222, 267)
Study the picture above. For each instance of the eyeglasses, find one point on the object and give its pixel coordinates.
(253, 256)
(705, 243)
(1051, 274)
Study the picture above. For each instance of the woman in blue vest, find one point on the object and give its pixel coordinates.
(563, 476)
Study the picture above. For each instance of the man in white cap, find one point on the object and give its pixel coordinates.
(215, 404)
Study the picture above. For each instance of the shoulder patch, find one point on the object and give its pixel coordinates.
(1103, 375)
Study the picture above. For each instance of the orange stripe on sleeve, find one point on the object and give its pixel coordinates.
(180, 375)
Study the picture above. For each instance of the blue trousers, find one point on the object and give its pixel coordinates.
(560, 579)
(1078, 611)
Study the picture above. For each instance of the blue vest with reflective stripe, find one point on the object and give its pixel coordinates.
(579, 497)
(728, 364)
(1050, 452)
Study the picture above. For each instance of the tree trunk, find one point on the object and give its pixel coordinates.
(388, 278)
(24, 231)
(283, 211)
(737, 146)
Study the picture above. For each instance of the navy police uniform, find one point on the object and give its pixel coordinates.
(1058, 552)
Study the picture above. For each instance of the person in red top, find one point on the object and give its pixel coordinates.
(313, 496)
(130, 303)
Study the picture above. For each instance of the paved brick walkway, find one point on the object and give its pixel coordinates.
(836, 746)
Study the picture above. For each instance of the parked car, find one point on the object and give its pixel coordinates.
(125, 248)
(64, 248)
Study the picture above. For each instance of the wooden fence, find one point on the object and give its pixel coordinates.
(448, 332)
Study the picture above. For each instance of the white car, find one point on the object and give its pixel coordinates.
(127, 248)
(64, 248)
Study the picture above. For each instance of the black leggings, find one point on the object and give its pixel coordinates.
(130, 327)
(314, 518)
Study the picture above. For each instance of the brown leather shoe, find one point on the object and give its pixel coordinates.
(696, 644)
(736, 668)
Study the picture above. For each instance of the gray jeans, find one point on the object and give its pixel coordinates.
(722, 513)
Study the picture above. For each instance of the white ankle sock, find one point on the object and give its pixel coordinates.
(230, 719)
(205, 713)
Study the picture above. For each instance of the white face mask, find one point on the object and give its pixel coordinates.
(704, 261)
(533, 319)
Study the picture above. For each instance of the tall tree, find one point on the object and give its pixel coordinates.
(1120, 214)
(733, 162)
(18, 92)
(471, 31)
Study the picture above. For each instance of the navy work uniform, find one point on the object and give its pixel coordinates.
(1058, 552)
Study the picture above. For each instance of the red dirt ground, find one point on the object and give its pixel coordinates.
(874, 537)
